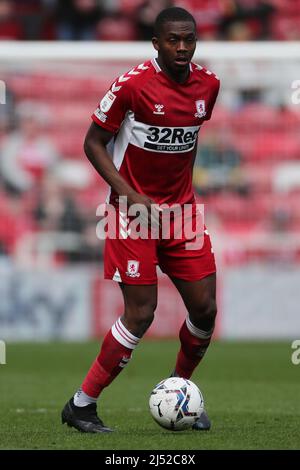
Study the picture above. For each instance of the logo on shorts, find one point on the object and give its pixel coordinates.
(117, 276)
(133, 268)
(200, 107)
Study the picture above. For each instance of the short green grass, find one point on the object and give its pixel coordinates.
(252, 395)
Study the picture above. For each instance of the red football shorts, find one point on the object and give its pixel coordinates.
(134, 261)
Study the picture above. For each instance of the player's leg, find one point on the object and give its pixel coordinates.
(116, 350)
(138, 283)
(189, 262)
(192, 269)
(194, 274)
(120, 341)
(196, 331)
(140, 302)
(195, 334)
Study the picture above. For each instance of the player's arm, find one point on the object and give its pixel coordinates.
(95, 149)
(194, 156)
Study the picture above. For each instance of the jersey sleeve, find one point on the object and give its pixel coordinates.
(113, 107)
(213, 97)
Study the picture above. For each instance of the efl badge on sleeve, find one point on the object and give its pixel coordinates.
(107, 101)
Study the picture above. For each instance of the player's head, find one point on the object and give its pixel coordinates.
(175, 39)
(172, 14)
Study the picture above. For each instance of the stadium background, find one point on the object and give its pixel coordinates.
(247, 169)
(57, 59)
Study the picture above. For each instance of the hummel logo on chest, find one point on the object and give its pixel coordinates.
(158, 108)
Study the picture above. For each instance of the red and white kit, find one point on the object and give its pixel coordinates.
(155, 122)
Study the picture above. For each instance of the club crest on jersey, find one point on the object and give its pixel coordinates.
(200, 107)
(133, 268)
(107, 101)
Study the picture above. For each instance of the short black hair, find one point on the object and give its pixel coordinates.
(171, 14)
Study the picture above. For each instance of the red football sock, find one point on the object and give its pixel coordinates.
(115, 353)
(194, 343)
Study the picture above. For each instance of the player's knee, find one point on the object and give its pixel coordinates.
(146, 316)
(140, 317)
(204, 314)
(212, 310)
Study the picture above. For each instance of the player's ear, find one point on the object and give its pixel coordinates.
(155, 43)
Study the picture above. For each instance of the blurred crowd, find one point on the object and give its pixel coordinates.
(41, 192)
(247, 166)
(126, 20)
(247, 169)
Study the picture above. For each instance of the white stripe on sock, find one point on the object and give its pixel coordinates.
(82, 399)
(201, 334)
(129, 335)
(123, 336)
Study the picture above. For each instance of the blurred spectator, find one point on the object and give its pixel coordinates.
(78, 19)
(146, 14)
(55, 208)
(7, 113)
(247, 19)
(127, 7)
(30, 13)
(281, 218)
(285, 23)
(208, 15)
(239, 31)
(124, 7)
(91, 247)
(116, 27)
(27, 154)
(15, 222)
(236, 20)
(230, 19)
(10, 28)
(218, 166)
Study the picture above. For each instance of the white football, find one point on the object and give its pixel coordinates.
(176, 403)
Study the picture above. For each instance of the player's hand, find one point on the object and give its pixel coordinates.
(149, 210)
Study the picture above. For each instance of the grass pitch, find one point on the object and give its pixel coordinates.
(251, 391)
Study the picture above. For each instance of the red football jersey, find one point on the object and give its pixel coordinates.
(156, 123)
